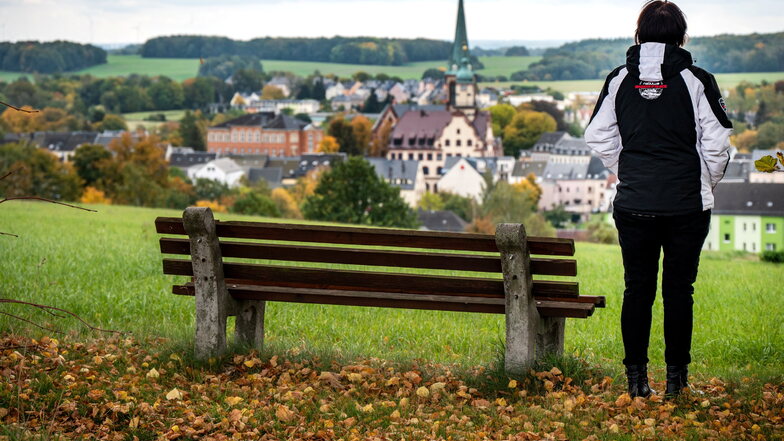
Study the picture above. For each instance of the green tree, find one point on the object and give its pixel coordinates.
(501, 115)
(193, 131)
(341, 130)
(465, 207)
(600, 231)
(87, 160)
(352, 192)
(558, 216)
(525, 128)
(166, 94)
(431, 201)
(111, 122)
(256, 203)
(210, 190)
(770, 134)
(199, 92)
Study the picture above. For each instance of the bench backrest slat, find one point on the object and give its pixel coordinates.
(245, 273)
(371, 257)
(368, 236)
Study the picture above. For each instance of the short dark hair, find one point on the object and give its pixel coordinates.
(661, 22)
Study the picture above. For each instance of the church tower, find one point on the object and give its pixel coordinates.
(460, 78)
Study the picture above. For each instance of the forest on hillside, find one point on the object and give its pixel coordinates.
(355, 50)
(49, 57)
(595, 58)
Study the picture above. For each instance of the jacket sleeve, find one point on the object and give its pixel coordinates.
(715, 129)
(602, 134)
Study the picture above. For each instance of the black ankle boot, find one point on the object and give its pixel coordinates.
(677, 380)
(637, 376)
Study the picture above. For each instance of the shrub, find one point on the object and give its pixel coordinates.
(92, 195)
(772, 256)
(212, 205)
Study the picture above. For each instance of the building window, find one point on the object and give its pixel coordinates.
(439, 171)
(470, 143)
(726, 238)
(429, 156)
(770, 228)
(421, 156)
(770, 247)
(458, 131)
(446, 143)
(426, 170)
(753, 246)
(410, 156)
(457, 143)
(439, 156)
(744, 229)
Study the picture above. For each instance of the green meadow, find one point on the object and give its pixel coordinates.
(181, 69)
(106, 267)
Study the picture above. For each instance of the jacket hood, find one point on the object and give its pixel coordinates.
(657, 61)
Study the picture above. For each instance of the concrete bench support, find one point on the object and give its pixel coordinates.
(213, 302)
(528, 336)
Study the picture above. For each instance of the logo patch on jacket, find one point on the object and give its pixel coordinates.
(650, 90)
(723, 104)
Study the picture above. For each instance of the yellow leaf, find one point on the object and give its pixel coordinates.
(650, 421)
(705, 403)
(354, 377)
(512, 384)
(394, 381)
(437, 386)
(329, 424)
(284, 413)
(175, 428)
(174, 394)
(500, 402)
(555, 371)
(232, 401)
(394, 415)
(324, 408)
(423, 392)
(153, 373)
(404, 402)
(366, 409)
(548, 385)
(249, 363)
(569, 404)
(614, 428)
(766, 164)
(134, 423)
(623, 400)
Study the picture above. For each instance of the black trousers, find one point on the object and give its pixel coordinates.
(641, 238)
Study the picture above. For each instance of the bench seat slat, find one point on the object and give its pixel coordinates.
(370, 281)
(406, 259)
(391, 300)
(368, 236)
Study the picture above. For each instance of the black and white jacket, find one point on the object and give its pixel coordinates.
(661, 126)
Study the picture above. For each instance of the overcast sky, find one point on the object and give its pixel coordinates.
(122, 21)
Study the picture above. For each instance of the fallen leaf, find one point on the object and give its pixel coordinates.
(512, 384)
(153, 373)
(232, 401)
(174, 394)
(284, 413)
(423, 392)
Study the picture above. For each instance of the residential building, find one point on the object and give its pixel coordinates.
(264, 133)
(63, 144)
(747, 217)
(404, 174)
(223, 170)
(579, 183)
(252, 103)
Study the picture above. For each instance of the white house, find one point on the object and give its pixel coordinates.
(404, 174)
(223, 170)
(463, 179)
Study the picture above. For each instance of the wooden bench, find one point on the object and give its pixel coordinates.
(535, 309)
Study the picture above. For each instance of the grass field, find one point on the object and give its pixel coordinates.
(106, 267)
(136, 119)
(181, 69)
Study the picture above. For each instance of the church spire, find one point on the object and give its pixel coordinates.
(460, 45)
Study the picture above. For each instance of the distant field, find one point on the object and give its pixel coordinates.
(137, 118)
(181, 69)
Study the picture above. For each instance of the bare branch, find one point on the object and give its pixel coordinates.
(32, 323)
(36, 198)
(53, 308)
(10, 173)
(18, 109)
(8, 234)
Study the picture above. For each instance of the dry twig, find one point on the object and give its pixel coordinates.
(50, 310)
(19, 109)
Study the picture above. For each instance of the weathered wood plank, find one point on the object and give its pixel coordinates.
(564, 309)
(392, 258)
(368, 236)
(243, 273)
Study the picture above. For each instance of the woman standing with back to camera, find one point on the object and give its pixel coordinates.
(661, 126)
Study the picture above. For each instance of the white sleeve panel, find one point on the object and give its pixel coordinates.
(602, 134)
(714, 141)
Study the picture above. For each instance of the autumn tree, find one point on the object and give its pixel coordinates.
(111, 122)
(341, 130)
(362, 129)
(137, 174)
(271, 92)
(352, 192)
(501, 115)
(380, 143)
(431, 202)
(328, 144)
(41, 173)
(524, 130)
(286, 204)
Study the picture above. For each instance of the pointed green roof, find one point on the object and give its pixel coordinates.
(460, 45)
